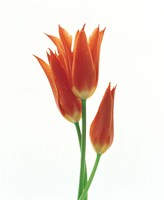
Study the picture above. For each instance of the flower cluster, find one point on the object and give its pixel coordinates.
(73, 72)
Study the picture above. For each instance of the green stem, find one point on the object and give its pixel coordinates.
(82, 197)
(78, 133)
(79, 139)
(83, 149)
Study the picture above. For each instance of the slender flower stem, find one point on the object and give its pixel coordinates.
(79, 139)
(82, 197)
(78, 133)
(83, 149)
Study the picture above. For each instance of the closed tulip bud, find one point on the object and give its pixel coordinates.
(102, 127)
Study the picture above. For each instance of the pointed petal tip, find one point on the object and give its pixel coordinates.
(61, 30)
(36, 57)
(83, 27)
(45, 33)
(41, 61)
(51, 52)
(49, 36)
(60, 27)
(113, 87)
(98, 27)
(103, 30)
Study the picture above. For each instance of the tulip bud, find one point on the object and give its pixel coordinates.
(102, 127)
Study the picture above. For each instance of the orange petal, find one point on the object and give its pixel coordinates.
(69, 104)
(49, 73)
(67, 43)
(95, 44)
(60, 49)
(65, 38)
(83, 71)
(57, 43)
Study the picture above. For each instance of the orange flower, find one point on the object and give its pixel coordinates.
(102, 127)
(86, 63)
(81, 65)
(68, 104)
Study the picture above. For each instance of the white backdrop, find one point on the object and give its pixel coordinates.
(39, 153)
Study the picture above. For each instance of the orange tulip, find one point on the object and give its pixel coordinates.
(86, 63)
(68, 104)
(102, 127)
(81, 65)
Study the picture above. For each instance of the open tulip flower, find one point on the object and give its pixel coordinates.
(81, 64)
(73, 73)
(68, 104)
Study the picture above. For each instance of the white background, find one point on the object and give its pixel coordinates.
(39, 153)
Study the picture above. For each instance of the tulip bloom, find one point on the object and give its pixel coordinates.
(81, 65)
(102, 127)
(68, 104)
